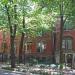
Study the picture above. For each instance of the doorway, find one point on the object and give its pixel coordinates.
(69, 58)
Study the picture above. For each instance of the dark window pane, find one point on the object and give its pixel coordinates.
(67, 43)
(40, 47)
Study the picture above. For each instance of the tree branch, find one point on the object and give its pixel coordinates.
(9, 20)
(65, 19)
(15, 17)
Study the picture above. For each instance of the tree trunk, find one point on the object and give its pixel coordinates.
(54, 45)
(21, 48)
(12, 52)
(61, 34)
(21, 42)
(3, 46)
(12, 35)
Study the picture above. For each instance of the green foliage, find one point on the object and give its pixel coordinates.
(5, 1)
(36, 19)
(39, 14)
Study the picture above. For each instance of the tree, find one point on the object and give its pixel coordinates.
(26, 10)
(11, 10)
(22, 34)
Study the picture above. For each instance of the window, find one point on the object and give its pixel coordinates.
(63, 44)
(67, 43)
(27, 47)
(69, 24)
(4, 46)
(40, 47)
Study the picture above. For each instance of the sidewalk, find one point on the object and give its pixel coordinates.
(9, 71)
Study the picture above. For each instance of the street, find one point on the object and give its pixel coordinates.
(4, 72)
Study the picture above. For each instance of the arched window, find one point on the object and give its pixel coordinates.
(67, 43)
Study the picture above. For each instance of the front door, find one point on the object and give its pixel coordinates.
(69, 58)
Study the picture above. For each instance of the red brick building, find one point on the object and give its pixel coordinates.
(68, 42)
(39, 47)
